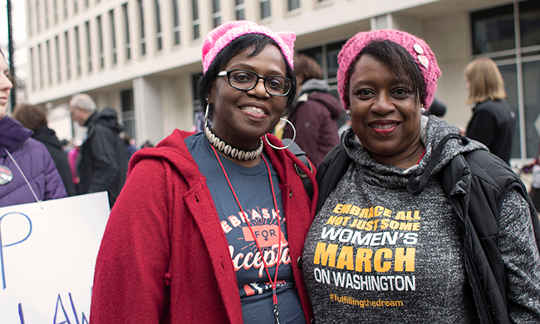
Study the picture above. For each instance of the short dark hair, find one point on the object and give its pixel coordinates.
(30, 116)
(306, 67)
(256, 41)
(398, 60)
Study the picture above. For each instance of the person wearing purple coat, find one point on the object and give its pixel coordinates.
(27, 171)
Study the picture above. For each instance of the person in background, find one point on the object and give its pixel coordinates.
(130, 144)
(27, 171)
(103, 154)
(146, 144)
(35, 119)
(493, 121)
(73, 156)
(210, 225)
(315, 111)
(415, 223)
(437, 108)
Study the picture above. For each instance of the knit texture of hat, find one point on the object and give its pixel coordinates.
(224, 34)
(419, 50)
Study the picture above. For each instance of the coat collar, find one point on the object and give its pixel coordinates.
(13, 135)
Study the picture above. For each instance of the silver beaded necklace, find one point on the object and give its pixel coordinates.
(229, 151)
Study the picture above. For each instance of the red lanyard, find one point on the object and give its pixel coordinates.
(273, 282)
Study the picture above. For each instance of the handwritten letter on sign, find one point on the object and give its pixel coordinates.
(47, 256)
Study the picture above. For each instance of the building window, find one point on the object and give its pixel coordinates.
(40, 67)
(101, 49)
(159, 34)
(493, 30)
(128, 112)
(239, 10)
(55, 11)
(46, 13)
(493, 36)
(88, 46)
(141, 30)
(266, 10)
(326, 56)
(529, 22)
(65, 9)
(176, 22)
(293, 4)
(195, 19)
(87, 3)
(114, 49)
(32, 72)
(38, 15)
(29, 20)
(78, 50)
(68, 55)
(198, 114)
(58, 64)
(216, 13)
(75, 6)
(125, 13)
(49, 65)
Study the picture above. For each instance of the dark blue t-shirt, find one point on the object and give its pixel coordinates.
(252, 188)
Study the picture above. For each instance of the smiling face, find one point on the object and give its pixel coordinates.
(5, 85)
(385, 113)
(240, 118)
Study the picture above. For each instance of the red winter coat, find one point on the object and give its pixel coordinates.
(164, 257)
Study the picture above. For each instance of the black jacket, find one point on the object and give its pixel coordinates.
(48, 137)
(103, 156)
(475, 184)
(492, 124)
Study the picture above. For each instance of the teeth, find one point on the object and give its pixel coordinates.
(383, 126)
(255, 110)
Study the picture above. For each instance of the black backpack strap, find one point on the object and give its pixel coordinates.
(330, 171)
(302, 156)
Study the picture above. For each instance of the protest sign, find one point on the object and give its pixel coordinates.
(47, 256)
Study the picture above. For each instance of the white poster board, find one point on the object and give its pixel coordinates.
(47, 256)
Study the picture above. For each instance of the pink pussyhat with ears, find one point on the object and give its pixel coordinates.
(422, 55)
(224, 34)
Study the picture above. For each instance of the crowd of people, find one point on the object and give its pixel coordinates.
(407, 217)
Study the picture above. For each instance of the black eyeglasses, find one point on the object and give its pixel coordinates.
(243, 80)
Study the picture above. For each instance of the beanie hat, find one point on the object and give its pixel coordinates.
(417, 48)
(224, 34)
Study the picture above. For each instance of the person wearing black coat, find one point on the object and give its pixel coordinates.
(103, 156)
(492, 122)
(35, 119)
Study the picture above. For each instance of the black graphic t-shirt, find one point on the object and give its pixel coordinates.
(253, 190)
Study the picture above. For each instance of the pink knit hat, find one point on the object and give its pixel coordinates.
(419, 50)
(224, 34)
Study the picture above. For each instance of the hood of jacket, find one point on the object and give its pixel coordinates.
(442, 142)
(173, 150)
(314, 85)
(107, 117)
(47, 136)
(318, 90)
(12, 135)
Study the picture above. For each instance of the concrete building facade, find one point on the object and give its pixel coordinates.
(142, 57)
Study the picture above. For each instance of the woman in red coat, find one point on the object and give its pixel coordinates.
(209, 226)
